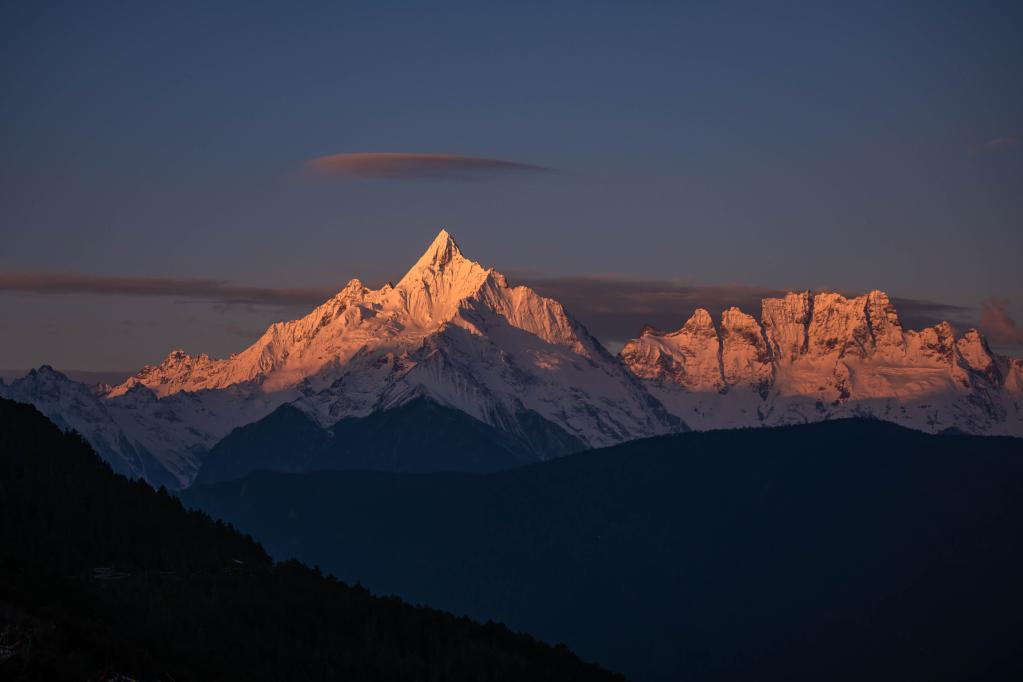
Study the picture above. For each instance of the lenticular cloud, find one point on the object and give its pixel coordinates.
(404, 166)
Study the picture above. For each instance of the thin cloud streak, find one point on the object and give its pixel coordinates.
(616, 309)
(219, 291)
(408, 166)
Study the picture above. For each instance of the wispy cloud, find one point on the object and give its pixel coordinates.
(996, 323)
(617, 308)
(407, 166)
(917, 313)
(613, 308)
(243, 331)
(219, 291)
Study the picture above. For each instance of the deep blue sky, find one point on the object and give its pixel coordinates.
(776, 145)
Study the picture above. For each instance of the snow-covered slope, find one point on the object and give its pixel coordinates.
(72, 405)
(450, 331)
(140, 436)
(822, 356)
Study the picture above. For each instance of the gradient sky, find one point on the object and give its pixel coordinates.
(782, 145)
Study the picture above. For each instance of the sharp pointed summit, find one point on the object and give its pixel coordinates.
(441, 279)
(441, 251)
(441, 254)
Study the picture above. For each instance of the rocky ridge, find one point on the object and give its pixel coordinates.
(820, 356)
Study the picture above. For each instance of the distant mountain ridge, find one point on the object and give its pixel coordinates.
(87, 377)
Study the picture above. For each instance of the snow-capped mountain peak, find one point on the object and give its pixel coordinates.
(451, 330)
(431, 291)
(438, 255)
(443, 287)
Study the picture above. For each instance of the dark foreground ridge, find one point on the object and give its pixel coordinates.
(845, 550)
(101, 576)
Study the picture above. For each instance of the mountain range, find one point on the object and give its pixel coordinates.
(482, 375)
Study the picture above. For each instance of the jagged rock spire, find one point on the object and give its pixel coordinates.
(823, 355)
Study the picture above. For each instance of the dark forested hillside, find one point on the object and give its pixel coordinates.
(101, 576)
(844, 550)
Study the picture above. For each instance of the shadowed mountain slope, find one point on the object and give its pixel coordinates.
(853, 549)
(420, 435)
